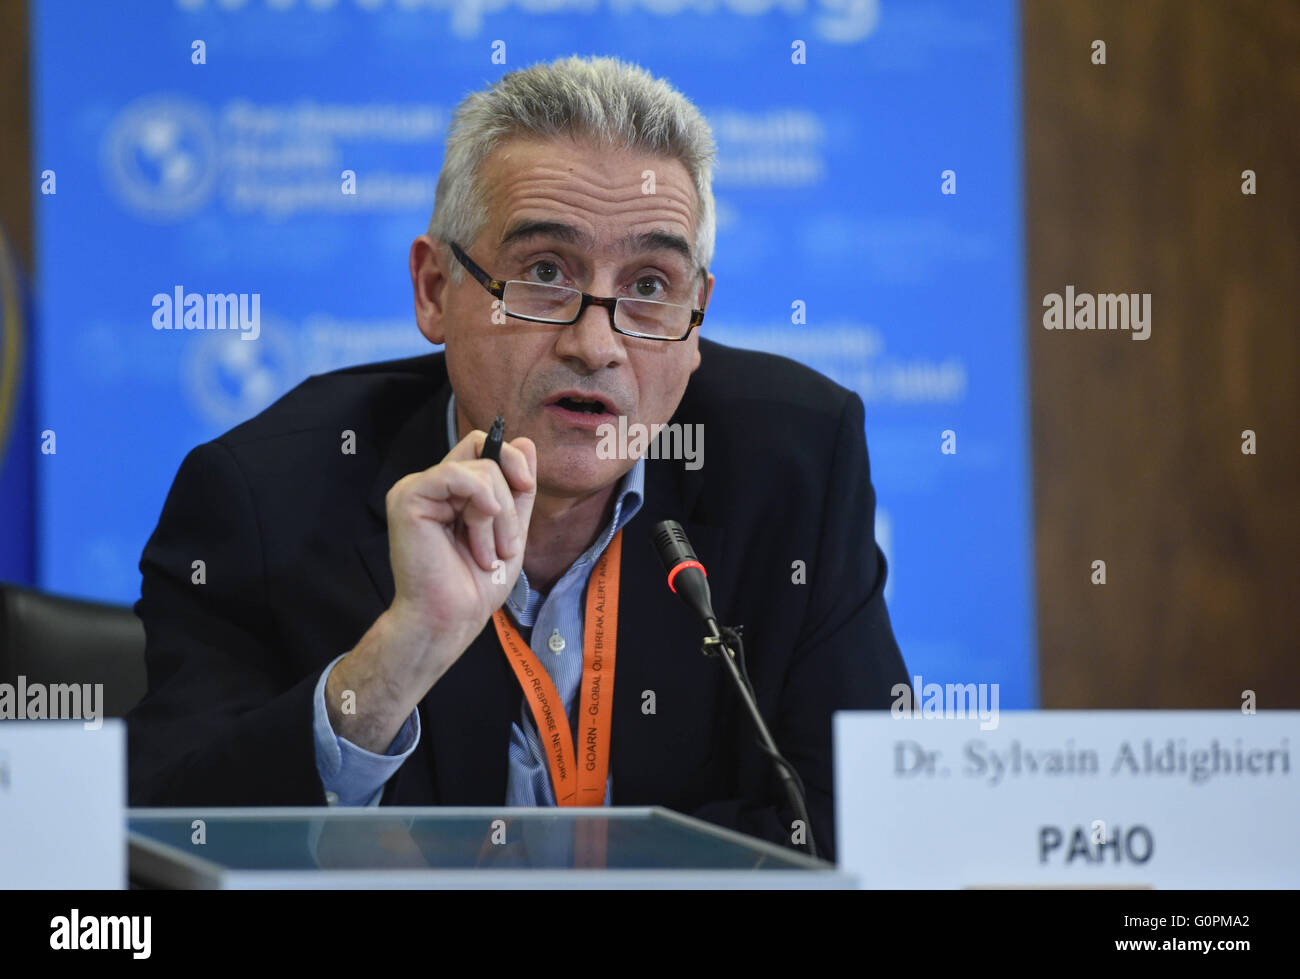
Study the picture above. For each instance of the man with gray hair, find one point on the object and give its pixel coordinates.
(402, 624)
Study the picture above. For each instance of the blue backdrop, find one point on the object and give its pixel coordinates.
(225, 177)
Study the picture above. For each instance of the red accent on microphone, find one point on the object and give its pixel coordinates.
(684, 564)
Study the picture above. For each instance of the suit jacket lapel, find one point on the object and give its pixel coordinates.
(420, 443)
(659, 641)
(465, 718)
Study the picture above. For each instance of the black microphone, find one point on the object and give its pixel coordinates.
(689, 581)
(686, 575)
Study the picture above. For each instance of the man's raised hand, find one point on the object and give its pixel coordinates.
(456, 537)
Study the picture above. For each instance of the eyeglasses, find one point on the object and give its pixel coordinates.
(538, 302)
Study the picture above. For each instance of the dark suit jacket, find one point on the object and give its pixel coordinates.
(293, 536)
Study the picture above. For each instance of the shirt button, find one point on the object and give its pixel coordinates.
(556, 642)
(331, 798)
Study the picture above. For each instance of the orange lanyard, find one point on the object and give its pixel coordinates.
(578, 777)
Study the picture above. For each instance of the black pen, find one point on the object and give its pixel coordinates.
(496, 435)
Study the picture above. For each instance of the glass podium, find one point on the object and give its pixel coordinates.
(442, 847)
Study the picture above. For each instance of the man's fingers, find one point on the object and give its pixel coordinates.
(479, 529)
(524, 500)
(492, 501)
(457, 483)
(467, 448)
(518, 459)
(513, 479)
(519, 464)
(506, 524)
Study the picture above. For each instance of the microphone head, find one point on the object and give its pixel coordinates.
(686, 575)
(672, 545)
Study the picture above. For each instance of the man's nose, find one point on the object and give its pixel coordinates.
(589, 344)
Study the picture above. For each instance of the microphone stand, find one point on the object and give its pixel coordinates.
(726, 644)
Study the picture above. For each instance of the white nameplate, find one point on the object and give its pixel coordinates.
(62, 805)
(1176, 799)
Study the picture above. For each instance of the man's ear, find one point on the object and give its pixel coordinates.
(708, 292)
(429, 282)
(708, 295)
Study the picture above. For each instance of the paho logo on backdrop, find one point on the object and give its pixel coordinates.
(160, 156)
(229, 381)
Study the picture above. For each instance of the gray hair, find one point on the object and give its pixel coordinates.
(609, 102)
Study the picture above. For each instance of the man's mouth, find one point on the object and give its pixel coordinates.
(589, 406)
(583, 404)
(576, 409)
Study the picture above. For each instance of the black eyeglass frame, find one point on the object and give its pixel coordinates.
(498, 288)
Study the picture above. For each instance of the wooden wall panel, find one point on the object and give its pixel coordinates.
(15, 131)
(1133, 184)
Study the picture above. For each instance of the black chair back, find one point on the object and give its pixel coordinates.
(49, 639)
